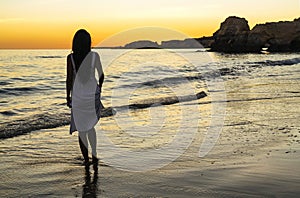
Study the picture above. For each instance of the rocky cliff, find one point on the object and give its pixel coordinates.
(277, 36)
(234, 36)
(205, 41)
(141, 44)
(187, 43)
(171, 44)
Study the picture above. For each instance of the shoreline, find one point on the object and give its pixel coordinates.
(251, 159)
(256, 155)
(60, 174)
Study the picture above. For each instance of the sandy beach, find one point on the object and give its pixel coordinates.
(196, 99)
(257, 155)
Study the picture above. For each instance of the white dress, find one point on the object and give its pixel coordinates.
(86, 104)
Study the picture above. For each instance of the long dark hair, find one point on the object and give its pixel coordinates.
(81, 46)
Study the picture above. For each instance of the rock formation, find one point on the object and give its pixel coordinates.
(295, 44)
(234, 36)
(277, 36)
(141, 44)
(206, 41)
(187, 43)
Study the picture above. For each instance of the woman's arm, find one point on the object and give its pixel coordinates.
(99, 70)
(69, 80)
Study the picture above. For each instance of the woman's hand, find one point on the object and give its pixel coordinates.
(69, 102)
(100, 87)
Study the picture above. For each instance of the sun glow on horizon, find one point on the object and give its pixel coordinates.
(52, 23)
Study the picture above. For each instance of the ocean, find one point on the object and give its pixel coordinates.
(33, 81)
(239, 139)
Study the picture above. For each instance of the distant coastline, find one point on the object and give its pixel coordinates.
(235, 36)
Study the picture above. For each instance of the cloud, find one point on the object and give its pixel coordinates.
(11, 20)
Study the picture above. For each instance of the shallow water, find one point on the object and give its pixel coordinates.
(33, 81)
(257, 150)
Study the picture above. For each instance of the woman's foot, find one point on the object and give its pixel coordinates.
(86, 163)
(95, 160)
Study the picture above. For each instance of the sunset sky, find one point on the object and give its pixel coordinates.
(52, 23)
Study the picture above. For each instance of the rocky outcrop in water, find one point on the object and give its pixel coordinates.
(277, 36)
(235, 36)
(206, 41)
(232, 35)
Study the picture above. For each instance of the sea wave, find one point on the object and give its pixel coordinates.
(17, 91)
(50, 57)
(175, 80)
(292, 61)
(237, 70)
(53, 120)
(8, 113)
(2, 83)
(39, 121)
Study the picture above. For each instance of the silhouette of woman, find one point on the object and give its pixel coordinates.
(83, 92)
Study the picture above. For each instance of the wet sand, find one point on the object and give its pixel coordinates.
(45, 167)
(257, 155)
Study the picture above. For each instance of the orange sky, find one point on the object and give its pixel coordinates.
(52, 23)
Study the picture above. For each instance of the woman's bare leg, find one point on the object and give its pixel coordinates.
(93, 142)
(83, 146)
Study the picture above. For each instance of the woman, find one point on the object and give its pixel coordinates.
(83, 92)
